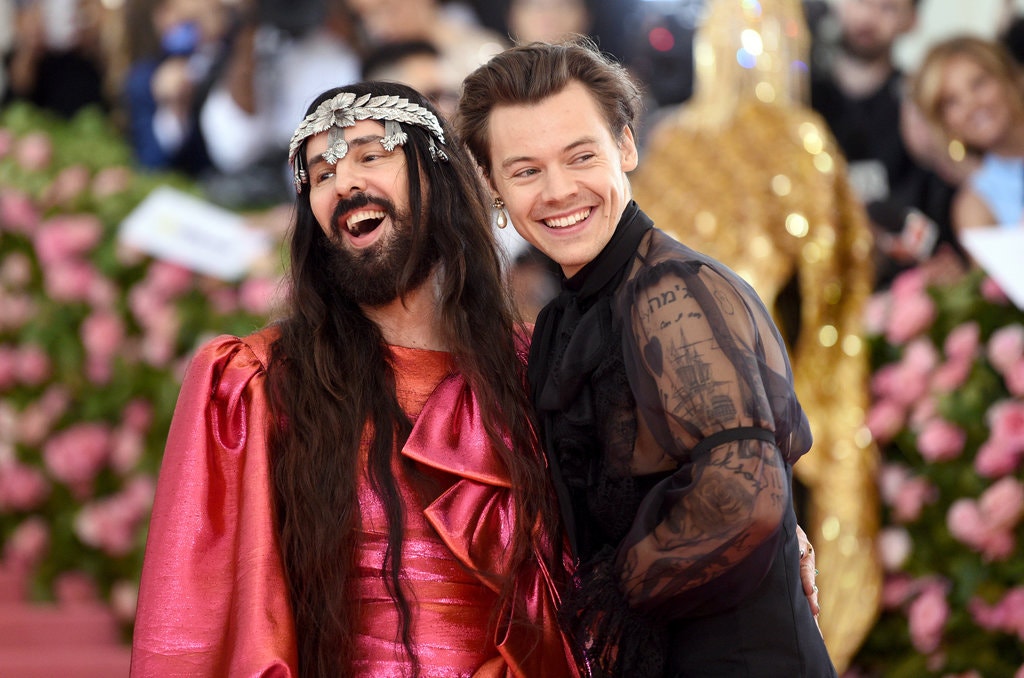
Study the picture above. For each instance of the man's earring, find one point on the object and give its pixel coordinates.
(502, 218)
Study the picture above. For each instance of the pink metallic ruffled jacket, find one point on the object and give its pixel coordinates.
(213, 599)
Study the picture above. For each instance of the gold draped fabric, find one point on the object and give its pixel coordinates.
(749, 176)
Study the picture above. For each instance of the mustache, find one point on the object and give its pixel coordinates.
(362, 200)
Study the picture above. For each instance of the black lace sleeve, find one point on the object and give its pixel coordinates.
(713, 383)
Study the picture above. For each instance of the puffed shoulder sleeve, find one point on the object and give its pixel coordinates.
(713, 384)
(212, 600)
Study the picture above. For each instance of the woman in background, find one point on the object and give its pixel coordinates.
(973, 91)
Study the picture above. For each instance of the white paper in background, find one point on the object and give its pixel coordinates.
(1000, 251)
(175, 226)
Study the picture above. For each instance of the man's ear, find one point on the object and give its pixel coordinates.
(629, 155)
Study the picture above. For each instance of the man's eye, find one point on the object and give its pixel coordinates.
(321, 177)
(528, 172)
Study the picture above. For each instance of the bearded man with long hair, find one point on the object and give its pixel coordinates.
(356, 490)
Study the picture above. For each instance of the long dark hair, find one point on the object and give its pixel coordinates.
(330, 380)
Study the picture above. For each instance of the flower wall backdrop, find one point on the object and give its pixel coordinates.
(948, 413)
(94, 338)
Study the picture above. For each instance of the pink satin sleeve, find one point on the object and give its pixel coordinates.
(212, 600)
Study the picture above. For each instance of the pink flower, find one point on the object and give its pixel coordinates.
(18, 214)
(16, 270)
(66, 237)
(1006, 347)
(884, 420)
(965, 522)
(896, 589)
(22, 487)
(111, 181)
(76, 455)
(894, 547)
(16, 310)
(941, 440)
(927, 616)
(137, 415)
(912, 309)
(876, 313)
(1002, 504)
(168, 280)
(951, 375)
(33, 365)
(70, 280)
(27, 545)
(102, 333)
(996, 458)
(257, 295)
(993, 293)
(127, 449)
(963, 342)
(34, 152)
(1015, 379)
(1006, 421)
(112, 523)
(69, 183)
(913, 495)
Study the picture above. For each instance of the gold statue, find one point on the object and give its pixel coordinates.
(748, 174)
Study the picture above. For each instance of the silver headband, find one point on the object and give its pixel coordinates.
(333, 115)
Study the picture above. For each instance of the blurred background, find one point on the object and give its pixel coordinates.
(813, 146)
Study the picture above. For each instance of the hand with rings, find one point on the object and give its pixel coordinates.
(808, 571)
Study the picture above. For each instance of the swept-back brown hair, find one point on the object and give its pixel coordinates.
(330, 380)
(527, 74)
(991, 57)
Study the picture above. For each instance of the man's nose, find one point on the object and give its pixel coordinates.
(348, 182)
(559, 185)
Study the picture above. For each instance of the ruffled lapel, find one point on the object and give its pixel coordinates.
(449, 435)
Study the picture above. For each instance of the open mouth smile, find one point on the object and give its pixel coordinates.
(568, 220)
(362, 222)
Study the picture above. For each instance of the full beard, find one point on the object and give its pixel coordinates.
(370, 276)
(865, 53)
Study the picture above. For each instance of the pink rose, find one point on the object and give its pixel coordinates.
(127, 449)
(884, 420)
(27, 545)
(910, 316)
(941, 440)
(927, 616)
(111, 181)
(69, 183)
(69, 281)
(16, 270)
(76, 455)
(915, 493)
(102, 333)
(876, 313)
(33, 365)
(22, 487)
(1006, 421)
(1015, 379)
(66, 237)
(1002, 504)
(257, 295)
(965, 522)
(168, 280)
(963, 342)
(997, 546)
(18, 214)
(138, 415)
(896, 589)
(1006, 347)
(924, 411)
(996, 458)
(951, 375)
(16, 310)
(993, 293)
(894, 547)
(34, 152)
